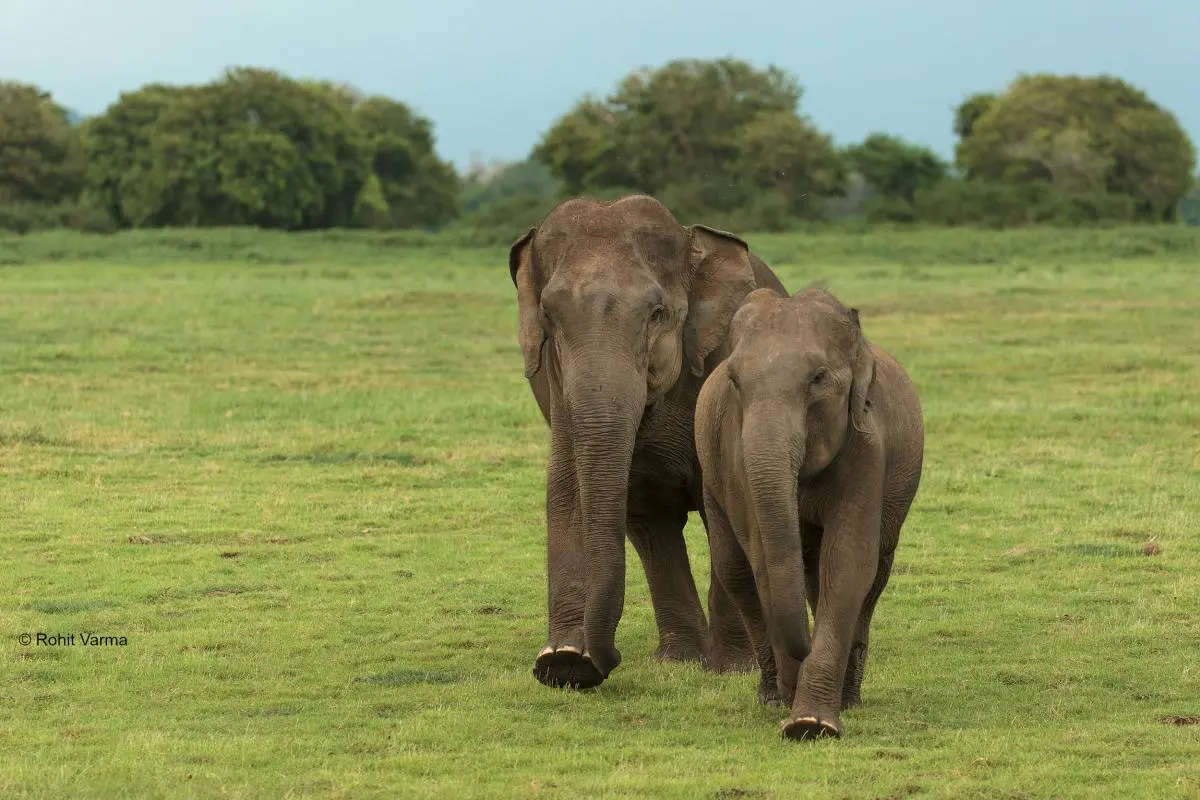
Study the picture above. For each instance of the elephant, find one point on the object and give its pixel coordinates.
(623, 312)
(811, 441)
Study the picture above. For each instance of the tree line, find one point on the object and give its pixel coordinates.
(715, 140)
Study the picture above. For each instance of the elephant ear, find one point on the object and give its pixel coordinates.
(527, 278)
(721, 276)
(863, 378)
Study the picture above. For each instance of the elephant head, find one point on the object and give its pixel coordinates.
(616, 301)
(801, 372)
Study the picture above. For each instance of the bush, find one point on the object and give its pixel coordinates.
(890, 209)
(28, 217)
(895, 169)
(88, 219)
(31, 217)
(982, 203)
(1008, 205)
(509, 217)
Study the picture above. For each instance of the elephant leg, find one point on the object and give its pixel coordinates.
(563, 662)
(849, 560)
(857, 663)
(658, 540)
(810, 541)
(732, 572)
(729, 647)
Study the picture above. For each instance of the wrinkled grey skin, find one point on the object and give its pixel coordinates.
(811, 441)
(623, 313)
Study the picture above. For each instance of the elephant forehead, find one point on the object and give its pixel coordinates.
(598, 286)
(784, 341)
(584, 214)
(798, 326)
(817, 308)
(657, 252)
(771, 352)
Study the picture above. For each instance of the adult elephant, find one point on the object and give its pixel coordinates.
(623, 313)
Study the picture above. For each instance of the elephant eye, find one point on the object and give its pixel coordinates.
(658, 314)
(819, 376)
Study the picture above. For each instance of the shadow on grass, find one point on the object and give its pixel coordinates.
(408, 677)
(32, 437)
(402, 458)
(67, 606)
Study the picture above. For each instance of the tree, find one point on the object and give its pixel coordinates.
(259, 148)
(254, 148)
(780, 151)
(969, 112)
(41, 160)
(303, 141)
(486, 185)
(117, 145)
(707, 133)
(419, 188)
(894, 168)
(501, 197)
(1082, 136)
(586, 151)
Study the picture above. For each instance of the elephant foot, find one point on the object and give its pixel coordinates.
(566, 667)
(730, 662)
(678, 651)
(730, 653)
(812, 726)
(769, 694)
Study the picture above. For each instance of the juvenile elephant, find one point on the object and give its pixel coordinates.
(623, 312)
(811, 441)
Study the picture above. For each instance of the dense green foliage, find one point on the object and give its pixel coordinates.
(895, 170)
(304, 476)
(254, 148)
(508, 197)
(1094, 138)
(41, 161)
(718, 141)
(258, 148)
(706, 137)
(417, 189)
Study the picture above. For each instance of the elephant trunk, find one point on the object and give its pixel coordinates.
(605, 407)
(773, 445)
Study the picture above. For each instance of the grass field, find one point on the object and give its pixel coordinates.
(304, 479)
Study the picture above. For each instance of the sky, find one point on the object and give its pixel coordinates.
(493, 75)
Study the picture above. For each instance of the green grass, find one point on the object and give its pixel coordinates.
(304, 477)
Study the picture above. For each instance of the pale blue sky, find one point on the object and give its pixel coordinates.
(494, 74)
